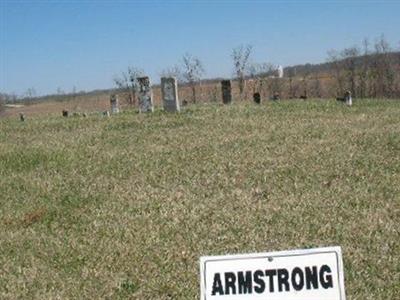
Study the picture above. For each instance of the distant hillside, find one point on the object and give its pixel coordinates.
(327, 67)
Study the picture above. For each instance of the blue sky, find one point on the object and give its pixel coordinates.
(84, 44)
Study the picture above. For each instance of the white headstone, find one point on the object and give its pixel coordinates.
(348, 99)
(169, 89)
(114, 102)
(280, 71)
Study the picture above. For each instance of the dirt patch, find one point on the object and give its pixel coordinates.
(33, 217)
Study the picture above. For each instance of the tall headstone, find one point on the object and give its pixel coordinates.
(22, 117)
(257, 98)
(226, 91)
(145, 95)
(169, 89)
(114, 102)
(280, 71)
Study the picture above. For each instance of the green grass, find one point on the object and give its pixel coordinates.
(124, 207)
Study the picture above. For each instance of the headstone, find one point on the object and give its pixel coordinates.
(348, 99)
(257, 98)
(304, 95)
(114, 102)
(106, 113)
(275, 97)
(22, 117)
(226, 91)
(280, 71)
(65, 113)
(169, 89)
(145, 95)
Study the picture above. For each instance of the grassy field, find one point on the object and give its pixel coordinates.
(123, 207)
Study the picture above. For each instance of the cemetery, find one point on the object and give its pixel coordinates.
(124, 197)
(212, 150)
(124, 206)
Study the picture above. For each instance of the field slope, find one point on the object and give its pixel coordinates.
(123, 207)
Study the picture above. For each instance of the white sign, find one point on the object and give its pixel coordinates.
(312, 274)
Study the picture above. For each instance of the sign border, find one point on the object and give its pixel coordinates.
(337, 250)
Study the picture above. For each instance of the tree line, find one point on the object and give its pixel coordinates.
(368, 70)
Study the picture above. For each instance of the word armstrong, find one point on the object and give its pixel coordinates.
(277, 280)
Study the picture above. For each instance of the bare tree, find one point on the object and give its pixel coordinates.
(337, 66)
(384, 71)
(291, 74)
(350, 56)
(174, 71)
(192, 72)
(128, 83)
(214, 93)
(276, 87)
(30, 93)
(3, 98)
(60, 91)
(364, 70)
(241, 56)
(258, 73)
(304, 81)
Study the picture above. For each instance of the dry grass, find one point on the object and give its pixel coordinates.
(123, 207)
(85, 103)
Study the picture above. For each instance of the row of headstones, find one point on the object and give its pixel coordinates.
(169, 91)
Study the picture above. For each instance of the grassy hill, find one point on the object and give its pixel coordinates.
(123, 207)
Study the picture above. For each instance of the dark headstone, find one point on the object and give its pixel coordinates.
(22, 117)
(65, 113)
(226, 91)
(257, 98)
